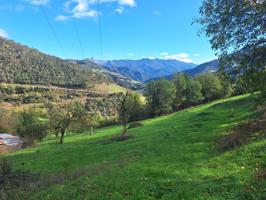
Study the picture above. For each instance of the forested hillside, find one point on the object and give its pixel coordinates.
(23, 65)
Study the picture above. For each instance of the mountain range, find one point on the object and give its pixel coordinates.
(23, 65)
(211, 66)
(145, 69)
(207, 67)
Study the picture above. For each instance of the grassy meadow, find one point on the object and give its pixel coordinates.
(171, 157)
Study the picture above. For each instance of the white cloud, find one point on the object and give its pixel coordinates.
(82, 9)
(157, 13)
(3, 33)
(61, 18)
(38, 2)
(131, 54)
(88, 8)
(131, 3)
(183, 57)
(119, 10)
(196, 55)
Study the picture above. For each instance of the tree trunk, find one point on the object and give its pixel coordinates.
(91, 130)
(124, 131)
(62, 136)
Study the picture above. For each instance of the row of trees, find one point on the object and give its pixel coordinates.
(164, 96)
(34, 123)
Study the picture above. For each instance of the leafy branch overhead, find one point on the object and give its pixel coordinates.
(237, 33)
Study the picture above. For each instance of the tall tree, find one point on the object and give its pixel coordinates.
(193, 92)
(128, 109)
(181, 83)
(211, 86)
(187, 91)
(160, 96)
(237, 33)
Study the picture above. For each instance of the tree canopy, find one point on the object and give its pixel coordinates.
(237, 33)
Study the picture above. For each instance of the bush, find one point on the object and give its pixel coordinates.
(135, 125)
(31, 126)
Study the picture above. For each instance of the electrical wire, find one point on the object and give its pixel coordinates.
(53, 31)
(78, 37)
(100, 29)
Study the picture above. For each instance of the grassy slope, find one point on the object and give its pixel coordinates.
(171, 157)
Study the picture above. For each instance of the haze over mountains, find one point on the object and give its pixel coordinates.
(145, 69)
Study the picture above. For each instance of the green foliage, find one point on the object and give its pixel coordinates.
(181, 84)
(61, 117)
(193, 92)
(188, 91)
(237, 32)
(129, 109)
(89, 119)
(160, 97)
(170, 157)
(20, 64)
(211, 86)
(31, 127)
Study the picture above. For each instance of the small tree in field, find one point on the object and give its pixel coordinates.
(31, 126)
(129, 106)
(89, 120)
(61, 116)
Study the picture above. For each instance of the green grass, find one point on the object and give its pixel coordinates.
(170, 158)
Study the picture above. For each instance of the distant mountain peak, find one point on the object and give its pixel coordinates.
(145, 68)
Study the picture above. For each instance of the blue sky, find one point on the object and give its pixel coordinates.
(131, 29)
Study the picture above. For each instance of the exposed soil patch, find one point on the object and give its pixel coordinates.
(242, 133)
(261, 174)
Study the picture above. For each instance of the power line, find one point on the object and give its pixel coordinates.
(53, 31)
(79, 40)
(100, 29)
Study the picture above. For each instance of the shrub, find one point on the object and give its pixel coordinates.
(31, 126)
(135, 125)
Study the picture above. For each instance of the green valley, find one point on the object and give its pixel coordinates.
(170, 157)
